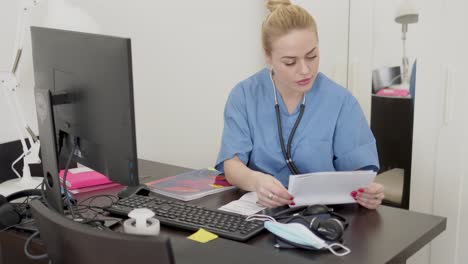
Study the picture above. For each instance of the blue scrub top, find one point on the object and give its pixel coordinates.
(333, 134)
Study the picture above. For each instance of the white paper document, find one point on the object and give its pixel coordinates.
(246, 205)
(328, 187)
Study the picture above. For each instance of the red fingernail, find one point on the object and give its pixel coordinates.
(353, 194)
(293, 203)
(361, 190)
(292, 198)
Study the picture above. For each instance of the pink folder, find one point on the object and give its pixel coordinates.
(393, 92)
(83, 179)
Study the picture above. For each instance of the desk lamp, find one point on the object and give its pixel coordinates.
(9, 83)
(406, 14)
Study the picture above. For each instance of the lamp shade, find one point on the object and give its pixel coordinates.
(406, 13)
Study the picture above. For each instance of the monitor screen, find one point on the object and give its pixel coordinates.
(84, 96)
(385, 77)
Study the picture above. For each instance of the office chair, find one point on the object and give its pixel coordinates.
(69, 242)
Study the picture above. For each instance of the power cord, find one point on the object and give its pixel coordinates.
(12, 226)
(94, 221)
(26, 249)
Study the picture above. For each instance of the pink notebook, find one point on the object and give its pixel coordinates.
(83, 177)
(95, 188)
(393, 92)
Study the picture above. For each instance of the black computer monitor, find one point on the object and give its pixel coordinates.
(84, 96)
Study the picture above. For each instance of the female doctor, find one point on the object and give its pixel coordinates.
(292, 119)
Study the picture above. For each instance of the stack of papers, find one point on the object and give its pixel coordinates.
(328, 187)
(246, 205)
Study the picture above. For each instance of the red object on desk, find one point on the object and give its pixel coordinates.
(393, 92)
(94, 188)
(83, 179)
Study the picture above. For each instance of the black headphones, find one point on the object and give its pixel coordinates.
(12, 214)
(320, 219)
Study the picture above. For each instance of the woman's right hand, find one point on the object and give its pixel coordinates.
(270, 192)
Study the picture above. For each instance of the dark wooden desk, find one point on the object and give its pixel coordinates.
(386, 235)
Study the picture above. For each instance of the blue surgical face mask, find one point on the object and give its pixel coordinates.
(300, 234)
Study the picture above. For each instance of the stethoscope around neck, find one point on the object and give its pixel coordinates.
(287, 149)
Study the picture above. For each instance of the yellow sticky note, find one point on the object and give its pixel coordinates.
(202, 236)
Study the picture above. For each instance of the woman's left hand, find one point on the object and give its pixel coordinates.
(370, 197)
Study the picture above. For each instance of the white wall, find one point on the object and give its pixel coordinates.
(196, 59)
(332, 23)
(387, 44)
(51, 13)
(187, 56)
(9, 11)
(439, 167)
(361, 61)
(440, 148)
(428, 116)
(375, 42)
(439, 174)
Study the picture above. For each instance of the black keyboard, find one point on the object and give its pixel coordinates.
(191, 217)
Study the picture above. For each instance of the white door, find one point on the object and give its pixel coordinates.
(440, 157)
(361, 46)
(451, 160)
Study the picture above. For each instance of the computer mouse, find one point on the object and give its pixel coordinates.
(134, 190)
(316, 209)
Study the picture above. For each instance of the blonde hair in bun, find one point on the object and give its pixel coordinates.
(273, 4)
(284, 18)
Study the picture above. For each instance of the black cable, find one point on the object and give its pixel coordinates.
(28, 198)
(64, 184)
(62, 136)
(22, 209)
(26, 246)
(92, 198)
(93, 220)
(92, 208)
(8, 227)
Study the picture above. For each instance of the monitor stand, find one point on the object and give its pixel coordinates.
(132, 190)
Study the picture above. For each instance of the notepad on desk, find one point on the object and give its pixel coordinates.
(328, 187)
(191, 185)
(83, 177)
(246, 205)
